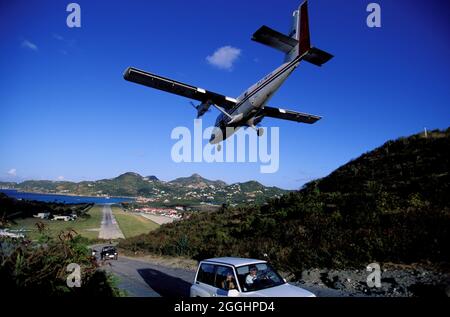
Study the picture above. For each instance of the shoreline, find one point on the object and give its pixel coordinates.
(65, 194)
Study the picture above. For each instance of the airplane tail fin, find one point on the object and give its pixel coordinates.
(300, 32)
(297, 43)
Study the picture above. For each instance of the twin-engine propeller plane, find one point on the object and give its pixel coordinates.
(250, 107)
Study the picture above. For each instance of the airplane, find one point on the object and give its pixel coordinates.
(250, 107)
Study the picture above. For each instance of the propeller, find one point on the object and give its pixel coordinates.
(202, 108)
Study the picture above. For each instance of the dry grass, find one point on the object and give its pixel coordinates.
(169, 261)
(87, 227)
(131, 224)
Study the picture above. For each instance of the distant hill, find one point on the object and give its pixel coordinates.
(196, 181)
(7, 185)
(390, 204)
(193, 189)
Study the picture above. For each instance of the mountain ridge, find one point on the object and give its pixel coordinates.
(194, 188)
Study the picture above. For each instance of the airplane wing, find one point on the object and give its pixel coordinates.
(290, 115)
(178, 88)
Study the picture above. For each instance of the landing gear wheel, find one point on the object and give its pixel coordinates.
(219, 147)
(260, 131)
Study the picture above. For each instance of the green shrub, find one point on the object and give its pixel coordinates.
(32, 269)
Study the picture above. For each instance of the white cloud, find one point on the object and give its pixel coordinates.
(27, 44)
(67, 44)
(224, 57)
(57, 37)
(12, 172)
(60, 178)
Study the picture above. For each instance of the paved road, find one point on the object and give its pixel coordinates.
(143, 279)
(109, 229)
(140, 278)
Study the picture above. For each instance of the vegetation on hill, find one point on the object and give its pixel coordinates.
(390, 204)
(189, 190)
(197, 180)
(40, 268)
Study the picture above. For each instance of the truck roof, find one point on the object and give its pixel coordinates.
(234, 261)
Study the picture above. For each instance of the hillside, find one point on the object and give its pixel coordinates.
(197, 181)
(390, 204)
(193, 189)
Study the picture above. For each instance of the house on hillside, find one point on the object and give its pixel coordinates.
(42, 215)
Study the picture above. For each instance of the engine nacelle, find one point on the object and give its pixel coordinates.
(254, 121)
(203, 108)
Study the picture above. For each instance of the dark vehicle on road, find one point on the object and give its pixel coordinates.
(108, 253)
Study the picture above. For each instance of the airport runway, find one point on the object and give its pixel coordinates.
(109, 229)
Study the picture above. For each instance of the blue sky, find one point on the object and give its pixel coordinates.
(66, 111)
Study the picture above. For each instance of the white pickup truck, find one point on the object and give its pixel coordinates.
(240, 277)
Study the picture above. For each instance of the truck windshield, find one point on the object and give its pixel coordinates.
(258, 276)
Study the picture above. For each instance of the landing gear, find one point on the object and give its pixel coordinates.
(259, 131)
(219, 147)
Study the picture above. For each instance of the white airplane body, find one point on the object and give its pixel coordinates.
(250, 107)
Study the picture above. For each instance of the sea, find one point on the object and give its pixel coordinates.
(65, 199)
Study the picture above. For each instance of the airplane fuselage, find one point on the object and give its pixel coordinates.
(247, 112)
(251, 107)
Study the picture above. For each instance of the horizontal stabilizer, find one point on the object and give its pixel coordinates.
(274, 39)
(317, 57)
(290, 115)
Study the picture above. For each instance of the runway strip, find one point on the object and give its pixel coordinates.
(109, 229)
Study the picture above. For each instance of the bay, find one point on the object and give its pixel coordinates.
(66, 199)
